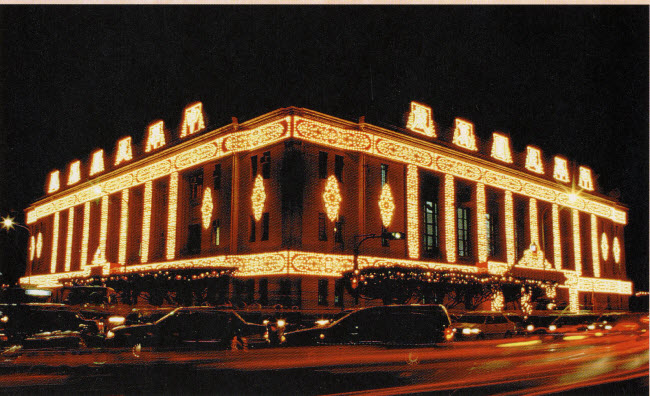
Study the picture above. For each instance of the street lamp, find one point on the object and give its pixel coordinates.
(8, 223)
(357, 245)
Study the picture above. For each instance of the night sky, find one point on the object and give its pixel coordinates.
(572, 80)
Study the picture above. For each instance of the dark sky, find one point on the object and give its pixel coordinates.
(572, 80)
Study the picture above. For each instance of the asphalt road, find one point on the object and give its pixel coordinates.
(539, 365)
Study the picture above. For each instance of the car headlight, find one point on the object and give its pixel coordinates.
(110, 335)
(552, 327)
(530, 327)
(281, 323)
(116, 320)
(466, 331)
(475, 331)
(608, 327)
(4, 319)
(591, 327)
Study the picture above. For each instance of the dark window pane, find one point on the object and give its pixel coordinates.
(216, 176)
(322, 227)
(252, 229)
(323, 284)
(266, 165)
(194, 239)
(253, 166)
(265, 226)
(384, 174)
(322, 164)
(338, 168)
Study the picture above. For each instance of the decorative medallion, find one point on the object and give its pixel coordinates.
(332, 198)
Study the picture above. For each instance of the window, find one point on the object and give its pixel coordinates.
(196, 187)
(338, 168)
(492, 227)
(266, 165)
(339, 288)
(285, 292)
(431, 227)
(216, 176)
(322, 291)
(520, 228)
(463, 232)
(384, 241)
(253, 166)
(264, 291)
(194, 239)
(322, 227)
(265, 227)
(384, 174)
(338, 230)
(216, 232)
(322, 164)
(249, 287)
(252, 230)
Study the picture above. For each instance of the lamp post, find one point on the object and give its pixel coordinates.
(357, 246)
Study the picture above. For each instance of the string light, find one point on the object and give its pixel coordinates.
(616, 250)
(412, 212)
(585, 181)
(97, 162)
(577, 252)
(206, 207)
(39, 244)
(533, 221)
(124, 152)
(54, 182)
(351, 140)
(258, 197)
(68, 244)
(146, 221)
(464, 134)
(386, 205)
(560, 170)
(557, 246)
(85, 235)
(171, 217)
(604, 246)
(510, 227)
(481, 232)
(501, 147)
(420, 120)
(156, 136)
(574, 302)
(32, 247)
(193, 119)
(74, 174)
(497, 301)
(450, 219)
(332, 198)
(124, 226)
(55, 242)
(526, 306)
(534, 160)
(595, 255)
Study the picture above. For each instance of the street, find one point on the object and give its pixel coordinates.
(530, 365)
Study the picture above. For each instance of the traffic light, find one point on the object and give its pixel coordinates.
(391, 236)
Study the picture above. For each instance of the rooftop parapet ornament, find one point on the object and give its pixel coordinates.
(585, 181)
(420, 120)
(156, 137)
(464, 135)
(54, 182)
(97, 162)
(501, 147)
(124, 152)
(561, 170)
(534, 160)
(193, 119)
(74, 174)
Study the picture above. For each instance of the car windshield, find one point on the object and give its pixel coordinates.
(472, 319)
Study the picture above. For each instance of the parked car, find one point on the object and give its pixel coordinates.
(537, 324)
(46, 326)
(572, 323)
(620, 323)
(480, 325)
(192, 327)
(391, 324)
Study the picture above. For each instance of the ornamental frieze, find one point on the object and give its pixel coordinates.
(406, 153)
(457, 168)
(503, 181)
(119, 183)
(540, 192)
(320, 264)
(337, 137)
(249, 140)
(65, 202)
(154, 171)
(196, 156)
(272, 263)
(565, 199)
(599, 209)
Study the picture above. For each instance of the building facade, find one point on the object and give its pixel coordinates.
(283, 198)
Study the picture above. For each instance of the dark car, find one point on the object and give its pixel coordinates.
(480, 325)
(191, 327)
(391, 324)
(46, 326)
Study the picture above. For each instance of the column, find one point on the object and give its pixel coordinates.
(124, 225)
(574, 302)
(576, 241)
(557, 244)
(510, 229)
(146, 221)
(103, 230)
(481, 229)
(534, 222)
(84, 236)
(234, 204)
(171, 219)
(595, 251)
(412, 211)
(450, 219)
(55, 242)
(68, 244)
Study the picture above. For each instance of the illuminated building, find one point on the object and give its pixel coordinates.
(280, 198)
